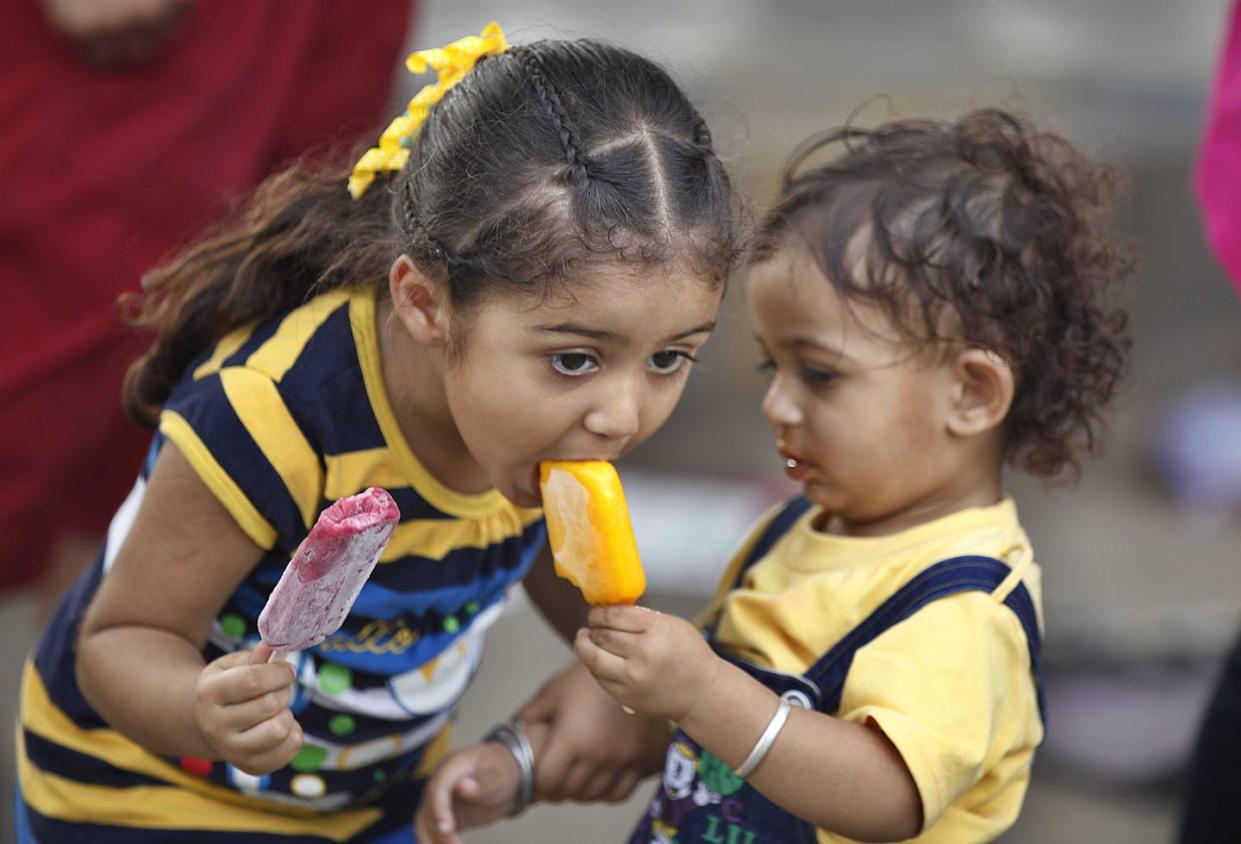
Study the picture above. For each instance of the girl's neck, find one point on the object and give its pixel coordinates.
(414, 381)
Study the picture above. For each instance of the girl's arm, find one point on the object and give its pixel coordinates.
(593, 749)
(557, 600)
(139, 656)
(835, 774)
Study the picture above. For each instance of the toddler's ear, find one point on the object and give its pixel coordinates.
(419, 301)
(983, 385)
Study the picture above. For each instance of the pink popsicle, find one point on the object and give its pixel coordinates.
(323, 579)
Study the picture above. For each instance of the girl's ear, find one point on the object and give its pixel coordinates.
(419, 301)
(983, 386)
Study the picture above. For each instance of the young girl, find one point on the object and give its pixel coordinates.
(930, 305)
(529, 276)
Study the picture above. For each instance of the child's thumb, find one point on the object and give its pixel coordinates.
(469, 788)
(441, 794)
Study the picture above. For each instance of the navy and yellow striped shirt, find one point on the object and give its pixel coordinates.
(279, 420)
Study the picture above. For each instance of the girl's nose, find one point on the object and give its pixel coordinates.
(617, 415)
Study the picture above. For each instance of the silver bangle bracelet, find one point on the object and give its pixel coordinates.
(765, 741)
(513, 737)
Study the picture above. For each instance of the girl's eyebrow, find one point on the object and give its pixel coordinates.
(604, 334)
(580, 330)
(705, 328)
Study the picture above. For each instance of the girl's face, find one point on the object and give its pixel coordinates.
(858, 412)
(588, 371)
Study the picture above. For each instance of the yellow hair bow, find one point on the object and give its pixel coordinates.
(451, 63)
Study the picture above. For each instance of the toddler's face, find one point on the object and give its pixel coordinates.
(859, 412)
(589, 371)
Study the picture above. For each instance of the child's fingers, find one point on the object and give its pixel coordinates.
(622, 785)
(468, 788)
(621, 644)
(261, 653)
(265, 736)
(242, 716)
(604, 665)
(626, 619)
(248, 682)
(595, 785)
(425, 830)
(574, 781)
(440, 791)
(275, 758)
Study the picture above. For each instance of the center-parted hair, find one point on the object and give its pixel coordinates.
(540, 162)
(984, 230)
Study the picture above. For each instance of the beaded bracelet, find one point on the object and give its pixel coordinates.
(765, 741)
(512, 736)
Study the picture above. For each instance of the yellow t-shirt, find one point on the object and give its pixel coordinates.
(951, 686)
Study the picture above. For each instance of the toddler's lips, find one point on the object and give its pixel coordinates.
(796, 467)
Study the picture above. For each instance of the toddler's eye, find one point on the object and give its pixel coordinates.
(668, 361)
(817, 377)
(767, 367)
(573, 363)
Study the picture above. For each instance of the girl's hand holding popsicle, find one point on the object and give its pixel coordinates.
(242, 699)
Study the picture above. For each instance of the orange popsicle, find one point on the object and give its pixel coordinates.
(589, 530)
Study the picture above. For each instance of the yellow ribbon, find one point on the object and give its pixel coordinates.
(451, 63)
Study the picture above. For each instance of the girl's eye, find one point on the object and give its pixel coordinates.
(668, 361)
(573, 363)
(767, 367)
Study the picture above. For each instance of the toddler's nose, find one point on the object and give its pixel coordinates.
(779, 407)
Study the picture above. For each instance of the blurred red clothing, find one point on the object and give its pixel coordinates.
(1218, 179)
(106, 173)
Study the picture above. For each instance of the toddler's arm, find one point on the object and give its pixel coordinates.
(835, 774)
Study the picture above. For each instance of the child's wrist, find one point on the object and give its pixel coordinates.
(513, 737)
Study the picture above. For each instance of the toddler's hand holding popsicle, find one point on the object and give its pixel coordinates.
(653, 663)
(644, 659)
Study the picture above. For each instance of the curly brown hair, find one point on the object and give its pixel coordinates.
(983, 230)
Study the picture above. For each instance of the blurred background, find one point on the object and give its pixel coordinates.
(1142, 578)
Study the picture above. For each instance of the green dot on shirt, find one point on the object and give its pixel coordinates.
(342, 725)
(309, 758)
(233, 625)
(334, 679)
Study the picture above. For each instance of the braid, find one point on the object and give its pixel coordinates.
(702, 136)
(550, 98)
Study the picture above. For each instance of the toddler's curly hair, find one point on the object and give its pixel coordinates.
(985, 231)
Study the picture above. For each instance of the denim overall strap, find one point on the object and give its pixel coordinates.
(948, 577)
(779, 525)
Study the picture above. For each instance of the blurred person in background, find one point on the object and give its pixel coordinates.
(1213, 784)
(129, 125)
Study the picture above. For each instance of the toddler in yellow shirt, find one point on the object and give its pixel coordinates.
(933, 303)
